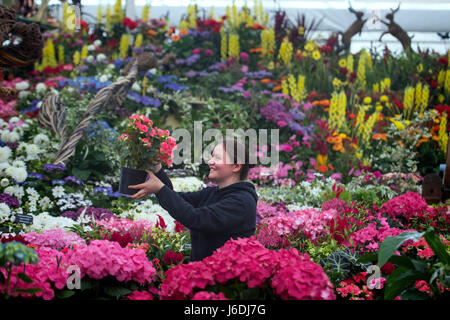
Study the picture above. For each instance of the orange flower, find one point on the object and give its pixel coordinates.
(266, 80)
(422, 140)
(352, 116)
(183, 32)
(277, 88)
(175, 37)
(152, 32)
(323, 103)
(331, 167)
(255, 50)
(378, 136)
(323, 169)
(257, 26)
(436, 138)
(354, 146)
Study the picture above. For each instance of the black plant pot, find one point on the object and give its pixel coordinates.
(130, 177)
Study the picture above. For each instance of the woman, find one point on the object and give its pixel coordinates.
(214, 214)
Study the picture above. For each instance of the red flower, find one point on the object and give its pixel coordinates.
(179, 227)
(171, 257)
(387, 268)
(325, 49)
(443, 61)
(127, 22)
(122, 239)
(84, 25)
(112, 43)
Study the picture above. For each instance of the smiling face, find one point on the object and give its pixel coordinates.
(220, 166)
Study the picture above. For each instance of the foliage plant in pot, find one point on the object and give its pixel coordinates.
(146, 145)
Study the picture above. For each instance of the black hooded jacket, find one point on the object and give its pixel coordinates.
(212, 215)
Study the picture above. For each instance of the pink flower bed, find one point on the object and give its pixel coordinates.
(55, 239)
(369, 238)
(407, 205)
(135, 229)
(289, 274)
(97, 260)
(311, 222)
(103, 258)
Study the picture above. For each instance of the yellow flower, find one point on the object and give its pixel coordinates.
(379, 108)
(367, 100)
(285, 53)
(342, 63)
(420, 68)
(301, 30)
(316, 55)
(441, 98)
(384, 98)
(337, 83)
(309, 46)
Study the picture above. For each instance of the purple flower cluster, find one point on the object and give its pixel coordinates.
(188, 61)
(98, 213)
(275, 111)
(51, 167)
(9, 200)
(107, 190)
(146, 101)
(258, 74)
(74, 180)
(36, 175)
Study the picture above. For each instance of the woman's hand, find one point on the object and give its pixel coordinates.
(156, 166)
(152, 185)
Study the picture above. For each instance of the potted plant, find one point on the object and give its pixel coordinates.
(146, 144)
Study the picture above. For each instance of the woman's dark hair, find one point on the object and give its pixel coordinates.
(238, 154)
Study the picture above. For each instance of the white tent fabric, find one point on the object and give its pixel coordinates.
(420, 18)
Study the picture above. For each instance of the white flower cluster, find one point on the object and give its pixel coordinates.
(300, 206)
(44, 221)
(187, 184)
(5, 213)
(147, 210)
(67, 201)
(16, 170)
(16, 191)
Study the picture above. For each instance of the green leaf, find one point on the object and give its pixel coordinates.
(399, 280)
(437, 246)
(391, 244)
(371, 257)
(81, 174)
(414, 294)
(65, 294)
(402, 261)
(116, 291)
(29, 290)
(25, 278)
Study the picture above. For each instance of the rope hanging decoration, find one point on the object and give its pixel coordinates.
(52, 111)
(18, 55)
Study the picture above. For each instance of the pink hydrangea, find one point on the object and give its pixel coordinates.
(55, 239)
(140, 295)
(206, 295)
(7, 109)
(311, 222)
(103, 258)
(339, 205)
(298, 278)
(370, 237)
(135, 229)
(46, 275)
(407, 206)
(246, 260)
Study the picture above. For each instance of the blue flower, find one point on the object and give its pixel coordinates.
(118, 63)
(175, 86)
(58, 181)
